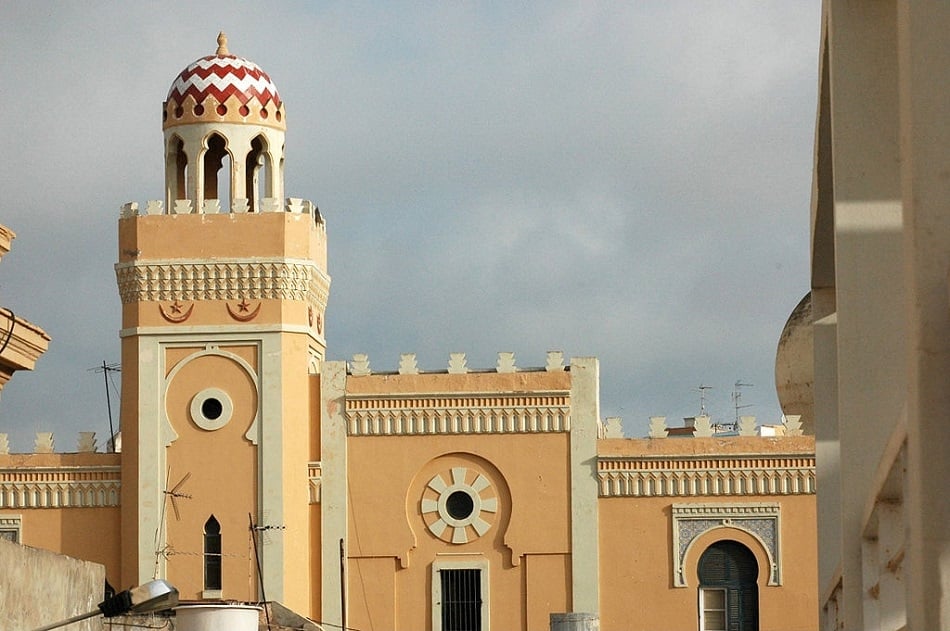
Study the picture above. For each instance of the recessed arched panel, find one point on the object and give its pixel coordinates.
(458, 500)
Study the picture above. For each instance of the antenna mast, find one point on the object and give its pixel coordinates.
(105, 369)
(702, 398)
(737, 397)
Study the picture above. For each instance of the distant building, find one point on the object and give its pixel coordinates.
(252, 468)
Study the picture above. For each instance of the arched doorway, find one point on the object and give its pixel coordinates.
(728, 588)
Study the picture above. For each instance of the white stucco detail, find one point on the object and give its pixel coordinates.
(332, 484)
(585, 564)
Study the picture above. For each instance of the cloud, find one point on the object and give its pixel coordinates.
(629, 181)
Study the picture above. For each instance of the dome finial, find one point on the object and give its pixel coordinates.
(222, 44)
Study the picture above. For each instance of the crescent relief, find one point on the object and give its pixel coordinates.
(243, 314)
(175, 313)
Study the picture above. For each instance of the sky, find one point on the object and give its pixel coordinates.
(625, 180)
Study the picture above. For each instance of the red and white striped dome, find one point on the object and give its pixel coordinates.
(223, 87)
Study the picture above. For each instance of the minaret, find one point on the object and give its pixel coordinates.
(224, 288)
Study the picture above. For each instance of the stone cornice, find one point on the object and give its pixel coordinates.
(258, 279)
(469, 413)
(60, 487)
(706, 475)
(21, 344)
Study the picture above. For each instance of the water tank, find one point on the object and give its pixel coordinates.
(218, 617)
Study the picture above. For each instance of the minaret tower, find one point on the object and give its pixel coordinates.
(223, 287)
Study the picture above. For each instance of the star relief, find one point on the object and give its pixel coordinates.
(242, 311)
(176, 312)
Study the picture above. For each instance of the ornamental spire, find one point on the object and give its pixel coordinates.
(222, 45)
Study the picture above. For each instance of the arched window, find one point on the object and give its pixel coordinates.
(257, 170)
(176, 169)
(212, 555)
(728, 592)
(217, 185)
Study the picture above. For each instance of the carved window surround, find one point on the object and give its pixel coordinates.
(474, 413)
(703, 476)
(55, 487)
(760, 520)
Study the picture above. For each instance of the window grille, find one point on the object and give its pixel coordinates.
(461, 599)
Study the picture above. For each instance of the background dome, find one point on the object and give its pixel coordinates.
(795, 365)
(223, 87)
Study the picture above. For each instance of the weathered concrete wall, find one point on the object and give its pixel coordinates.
(38, 587)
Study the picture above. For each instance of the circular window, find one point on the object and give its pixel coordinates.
(211, 409)
(461, 510)
(460, 505)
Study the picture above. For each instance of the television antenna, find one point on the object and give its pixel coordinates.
(107, 370)
(702, 398)
(737, 398)
(173, 495)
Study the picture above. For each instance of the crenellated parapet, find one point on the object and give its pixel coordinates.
(44, 479)
(441, 402)
(704, 427)
(44, 443)
(359, 365)
(239, 206)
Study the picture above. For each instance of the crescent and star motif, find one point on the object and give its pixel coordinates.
(243, 313)
(176, 313)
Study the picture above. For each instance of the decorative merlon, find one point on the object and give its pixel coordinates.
(747, 426)
(359, 366)
(658, 427)
(211, 207)
(4, 444)
(86, 443)
(793, 425)
(555, 361)
(407, 364)
(612, 427)
(43, 444)
(457, 364)
(702, 427)
(506, 363)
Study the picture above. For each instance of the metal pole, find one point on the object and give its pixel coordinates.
(105, 379)
(63, 623)
(342, 585)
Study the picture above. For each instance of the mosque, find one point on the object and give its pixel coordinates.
(253, 468)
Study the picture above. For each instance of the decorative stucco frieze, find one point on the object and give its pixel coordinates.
(59, 487)
(279, 279)
(761, 520)
(699, 476)
(452, 414)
